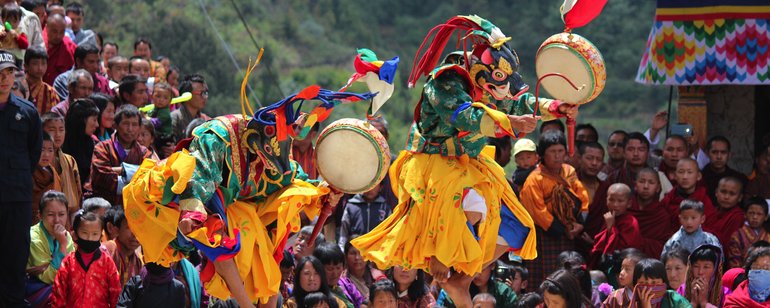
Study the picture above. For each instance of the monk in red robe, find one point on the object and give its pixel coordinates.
(654, 221)
(729, 216)
(687, 178)
(622, 229)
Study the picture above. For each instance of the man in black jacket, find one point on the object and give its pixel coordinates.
(20, 143)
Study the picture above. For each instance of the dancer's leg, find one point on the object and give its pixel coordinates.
(229, 272)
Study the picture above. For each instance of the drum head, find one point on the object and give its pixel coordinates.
(559, 58)
(349, 160)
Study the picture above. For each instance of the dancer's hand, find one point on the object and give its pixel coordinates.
(570, 110)
(524, 123)
(186, 225)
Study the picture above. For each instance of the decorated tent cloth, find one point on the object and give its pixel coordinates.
(709, 42)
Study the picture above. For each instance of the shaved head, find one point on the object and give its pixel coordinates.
(619, 188)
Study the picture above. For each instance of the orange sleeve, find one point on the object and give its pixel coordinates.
(533, 201)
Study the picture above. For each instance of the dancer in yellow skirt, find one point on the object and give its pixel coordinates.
(234, 195)
(456, 211)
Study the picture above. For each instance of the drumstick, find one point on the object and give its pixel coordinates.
(326, 211)
(570, 121)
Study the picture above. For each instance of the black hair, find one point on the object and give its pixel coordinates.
(127, 111)
(95, 203)
(329, 254)
(712, 254)
(83, 50)
(649, 170)
(651, 269)
(523, 271)
(287, 261)
(529, 300)
(299, 293)
(75, 141)
(149, 126)
(717, 138)
(128, 84)
(198, 122)
(50, 116)
(142, 40)
(732, 179)
(563, 283)
(102, 101)
(417, 288)
(752, 256)
(171, 69)
(74, 7)
(590, 127)
(500, 142)
(621, 132)
(185, 85)
(760, 243)
(576, 264)
(638, 136)
(111, 43)
(756, 200)
(50, 196)
(315, 298)
(47, 137)
(548, 139)
(115, 216)
(35, 53)
(11, 10)
(114, 60)
(676, 253)
(680, 138)
(556, 122)
(30, 5)
(380, 286)
(689, 204)
(135, 58)
(589, 144)
(81, 216)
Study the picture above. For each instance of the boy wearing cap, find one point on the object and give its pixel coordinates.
(526, 158)
(21, 139)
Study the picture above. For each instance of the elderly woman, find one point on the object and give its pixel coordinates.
(754, 292)
(557, 202)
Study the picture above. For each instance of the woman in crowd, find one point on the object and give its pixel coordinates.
(754, 292)
(81, 123)
(675, 261)
(360, 272)
(411, 287)
(106, 105)
(562, 290)
(703, 286)
(309, 277)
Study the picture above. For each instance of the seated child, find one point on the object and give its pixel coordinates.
(122, 249)
(751, 232)
(382, 294)
(155, 286)
(43, 177)
(64, 165)
(690, 234)
(49, 243)
(484, 300)
(654, 220)
(529, 300)
(10, 38)
(622, 229)
(703, 287)
(621, 297)
(87, 277)
(687, 177)
(728, 217)
(650, 287)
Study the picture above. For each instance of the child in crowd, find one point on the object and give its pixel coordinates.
(526, 158)
(654, 221)
(63, 164)
(485, 300)
(622, 229)
(515, 276)
(650, 287)
(11, 39)
(562, 289)
(43, 177)
(154, 286)
(87, 277)
(98, 206)
(146, 136)
(751, 232)
(622, 296)
(691, 234)
(382, 294)
(41, 94)
(161, 113)
(123, 249)
(675, 261)
(728, 217)
(529, 300)
(687, 177)
(117, 68)
(362, 213)
(703, 287)
(49, 244)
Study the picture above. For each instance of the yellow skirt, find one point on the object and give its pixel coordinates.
(429, 219)
(155, 224)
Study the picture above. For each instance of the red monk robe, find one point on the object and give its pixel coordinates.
(623, 234)
(655, 223)
(674, 198)
(595, 220)
(724, 223)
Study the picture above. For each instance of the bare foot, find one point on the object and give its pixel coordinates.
(438, 270)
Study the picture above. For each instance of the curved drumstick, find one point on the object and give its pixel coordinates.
(570, 121)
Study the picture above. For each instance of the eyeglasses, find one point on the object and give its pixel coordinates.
(615, 144)
(201, 93)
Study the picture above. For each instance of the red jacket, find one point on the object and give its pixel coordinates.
(98, 285)
(741, 299)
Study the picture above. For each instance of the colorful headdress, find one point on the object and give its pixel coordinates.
(496, 64)
(377, 74)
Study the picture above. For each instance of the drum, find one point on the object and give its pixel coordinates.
(575, 58)
(352, 155)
